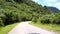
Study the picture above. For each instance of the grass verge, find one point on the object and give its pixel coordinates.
(51, 27)
(6, 29)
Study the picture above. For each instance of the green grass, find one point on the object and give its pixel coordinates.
(51, 27)
(6, 29)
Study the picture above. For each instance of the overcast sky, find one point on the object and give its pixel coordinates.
(54, 3)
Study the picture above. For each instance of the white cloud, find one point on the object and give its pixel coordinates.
(35, 0)
(49, 4)
(50, 1)
(57, 5)
(53, 3)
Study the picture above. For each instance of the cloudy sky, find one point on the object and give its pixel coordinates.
(54, 3)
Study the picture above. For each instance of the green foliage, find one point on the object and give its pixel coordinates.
(18, 1)
(6, 29)
(56, 19)
(51, 27)
(1, 22)
(46, 21)
(34, 19)
(50, 19)
(20, 10)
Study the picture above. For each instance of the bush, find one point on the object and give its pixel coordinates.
(45, 20)
(56, 21)
(1, 22)
(11, 17)
(35, 19)
(50, 19)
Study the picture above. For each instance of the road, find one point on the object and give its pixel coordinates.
(26, 28)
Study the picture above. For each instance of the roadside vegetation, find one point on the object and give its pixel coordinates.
(49, 22)
(6, 29)
(49, 27)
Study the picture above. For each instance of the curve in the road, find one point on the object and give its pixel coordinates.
(26, 28)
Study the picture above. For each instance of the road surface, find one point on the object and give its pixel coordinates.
(26, 28)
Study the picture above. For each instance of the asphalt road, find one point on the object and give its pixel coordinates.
(26, 28)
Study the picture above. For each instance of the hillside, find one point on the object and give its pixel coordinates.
(12, 11)
(23, 5)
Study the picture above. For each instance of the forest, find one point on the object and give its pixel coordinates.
(12, 11)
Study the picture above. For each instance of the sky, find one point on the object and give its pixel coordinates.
(53, 3)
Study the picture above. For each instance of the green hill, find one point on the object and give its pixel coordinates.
(12, 11)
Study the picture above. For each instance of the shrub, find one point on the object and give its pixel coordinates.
(45, 21)
(34, 19)
(1, 22)
(56, 21)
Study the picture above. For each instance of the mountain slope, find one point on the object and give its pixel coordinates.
(12, 11)
(23, 4)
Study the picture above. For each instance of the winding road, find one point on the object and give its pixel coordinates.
(26, 28)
